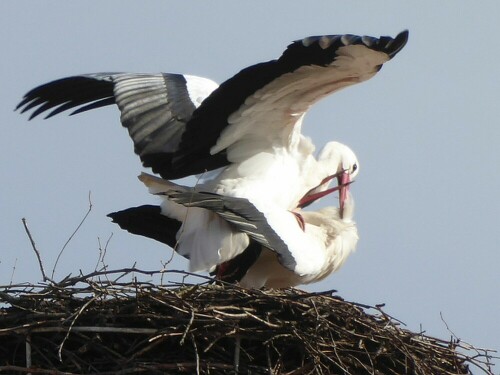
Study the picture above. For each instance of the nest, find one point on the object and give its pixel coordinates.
(100, 324)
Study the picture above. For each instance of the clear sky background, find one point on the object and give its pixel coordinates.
(425, 129)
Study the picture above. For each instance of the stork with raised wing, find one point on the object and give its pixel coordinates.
(247, 132)
(248, 128)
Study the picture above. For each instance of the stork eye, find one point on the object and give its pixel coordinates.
(354, 167)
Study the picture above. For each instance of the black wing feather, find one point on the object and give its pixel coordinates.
(175, 136)
(70, 91)
(194, 155)
(148, 221)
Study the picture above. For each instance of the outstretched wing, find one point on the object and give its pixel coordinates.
(257, 109)
(253, 111)
(155, 108)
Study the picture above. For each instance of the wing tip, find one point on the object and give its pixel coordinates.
(390, 46)
(396, 44)
(21, 104)
(83, 92)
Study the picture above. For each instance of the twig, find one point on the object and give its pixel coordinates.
(124, 271)
(37, 253)
(237, 354)
(102, 252)
(187, 327)
(196, 353)
(447, 327)
(72, 235)
(269, 324)
(59, 352)
(28, 350)
(269, 362)
(97, 329)
(11, 369)
(13, 271)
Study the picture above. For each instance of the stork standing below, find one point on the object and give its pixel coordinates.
(208, 239)
(275, 248)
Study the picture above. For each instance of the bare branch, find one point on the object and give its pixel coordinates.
(72, 235)
(37, 253)
(13, 272)
(59, 353)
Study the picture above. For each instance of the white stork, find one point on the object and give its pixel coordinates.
(247, 130)
(259, 248)
(206, 238)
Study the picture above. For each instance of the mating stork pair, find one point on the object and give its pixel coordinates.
(244, 220)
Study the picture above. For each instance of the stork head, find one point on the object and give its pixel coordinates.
(335, 160)
(338, 155)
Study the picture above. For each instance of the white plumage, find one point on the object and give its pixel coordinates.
(214, 234)
(245, 139)
(207, 239)
(335, 236)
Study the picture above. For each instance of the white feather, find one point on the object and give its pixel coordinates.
(204, 237)
(325, 244)
(207, 240)
(199, 88)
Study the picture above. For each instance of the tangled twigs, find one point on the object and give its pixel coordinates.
(109, 322)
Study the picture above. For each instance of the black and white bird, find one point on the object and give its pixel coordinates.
(246, 133)
(209, 239)
(247, 130)
(261, 250)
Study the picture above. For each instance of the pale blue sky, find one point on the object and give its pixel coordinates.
(425, 129)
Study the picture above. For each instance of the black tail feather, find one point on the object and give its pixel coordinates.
(148, 221)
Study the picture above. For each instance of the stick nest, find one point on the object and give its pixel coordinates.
(99, 324)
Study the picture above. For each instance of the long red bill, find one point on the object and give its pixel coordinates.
(312, 196)
(309, 198)
(344, 182)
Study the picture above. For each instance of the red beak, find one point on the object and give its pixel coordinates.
(312, 195)
(343, 183)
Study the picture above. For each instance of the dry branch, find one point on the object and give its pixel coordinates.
(89, 325)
